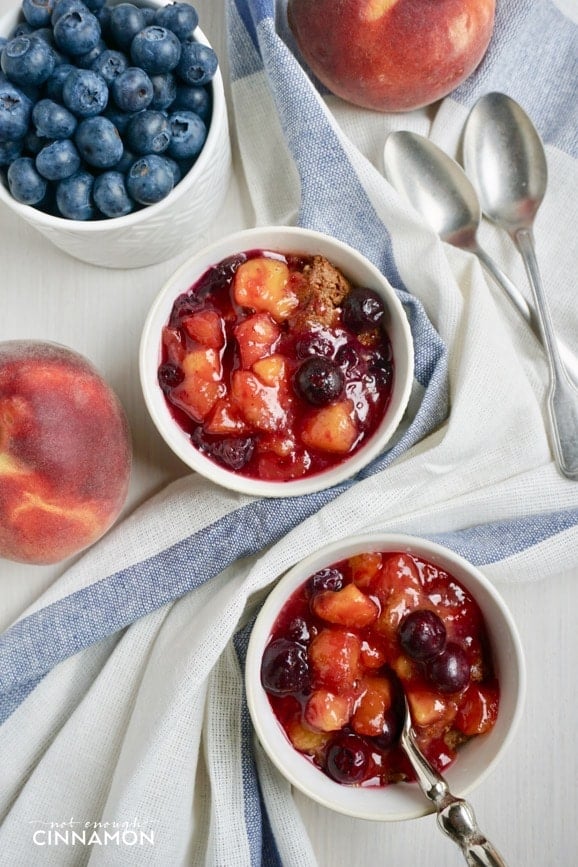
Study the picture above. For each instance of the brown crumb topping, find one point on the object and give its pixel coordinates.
(320, 290)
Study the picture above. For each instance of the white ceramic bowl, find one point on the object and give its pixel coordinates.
(285, 240)
(160, 231)
(475, 759)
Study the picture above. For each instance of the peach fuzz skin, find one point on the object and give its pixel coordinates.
(392, 55)
(65, 453)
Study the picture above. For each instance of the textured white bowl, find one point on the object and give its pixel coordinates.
(284, 240)
(160, 231)
(476, 758)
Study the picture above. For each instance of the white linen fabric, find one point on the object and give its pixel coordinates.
(121, 692)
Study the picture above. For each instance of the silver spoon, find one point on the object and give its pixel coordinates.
(454, 815)
(504, 156)
(439, 189)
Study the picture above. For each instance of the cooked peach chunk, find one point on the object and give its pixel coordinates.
(256, 337)
(197, 396)
(173, 344)
(206, 327)
(258, 403)
(272, 370)
(345, 607)
(304, 739)
(226, 420)
(365, 567)
(396, 606)
(372, 706)
(397, 570)
(331, 428)
(263, 284)
(334, 656)
(478, 709)
(202, 363)
(428, 707)
(326, 711)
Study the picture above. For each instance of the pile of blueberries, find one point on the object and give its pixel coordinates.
(103, 109)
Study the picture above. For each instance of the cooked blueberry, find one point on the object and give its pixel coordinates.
(233, 452)
(193, 98)
(15, 111)
(85, 93)
(348, 758)
(110, 195)
(169, 375)
(148, 132)
(27, 61)
(57, 160)
(188, 134)
(348, 359)
(132, 90)
(422, 634)
(26, 185)
(10, 150)
(390, 730)
(299, 631)
(380, 367)
(181, 18)
(98, 142)
(449, 671)
(126, 20)
(155, 49)
(37, 12)
(74, 196)
(77, 32)
(313, 343)
(164, 91)
(149, 179)
(109, 64)
(53, 120)
(319, 381)
(362, 309)
(54, 84)
(284, 668)
(198, 63)
(326, 579)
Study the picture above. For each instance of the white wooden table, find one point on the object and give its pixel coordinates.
(528, 807)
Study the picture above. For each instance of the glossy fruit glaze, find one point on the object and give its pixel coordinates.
(276, 366)
(352, 639)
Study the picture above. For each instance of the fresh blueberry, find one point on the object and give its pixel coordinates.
(53, 120)
(155, 49)
(46, 34)
(197, 99)
(149, 179)
(126, 20)
(125, 162)
(26, 60)
(109, 64)
(15, 111)
(10, 150)
(148, 133)
(198, 63)
(23, 28)
(77, 32)
(74, 196)
(188, 134)
(164, 91)
(110, 195)
(37, 12)
(175, 168)
(58, 160)
(62, 7)
(98, 142)
(54, 84)
(103, 16)
(85, 61)
(33, 143)
(148, 15)
(132, 90)
(120, 119)
(94, 5)
(85, 92)
(181, 18)
(26, 185)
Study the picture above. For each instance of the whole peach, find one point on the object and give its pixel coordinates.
(392, 55)
(65, 452)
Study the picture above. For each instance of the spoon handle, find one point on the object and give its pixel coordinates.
(455, 817)
(563, 397)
